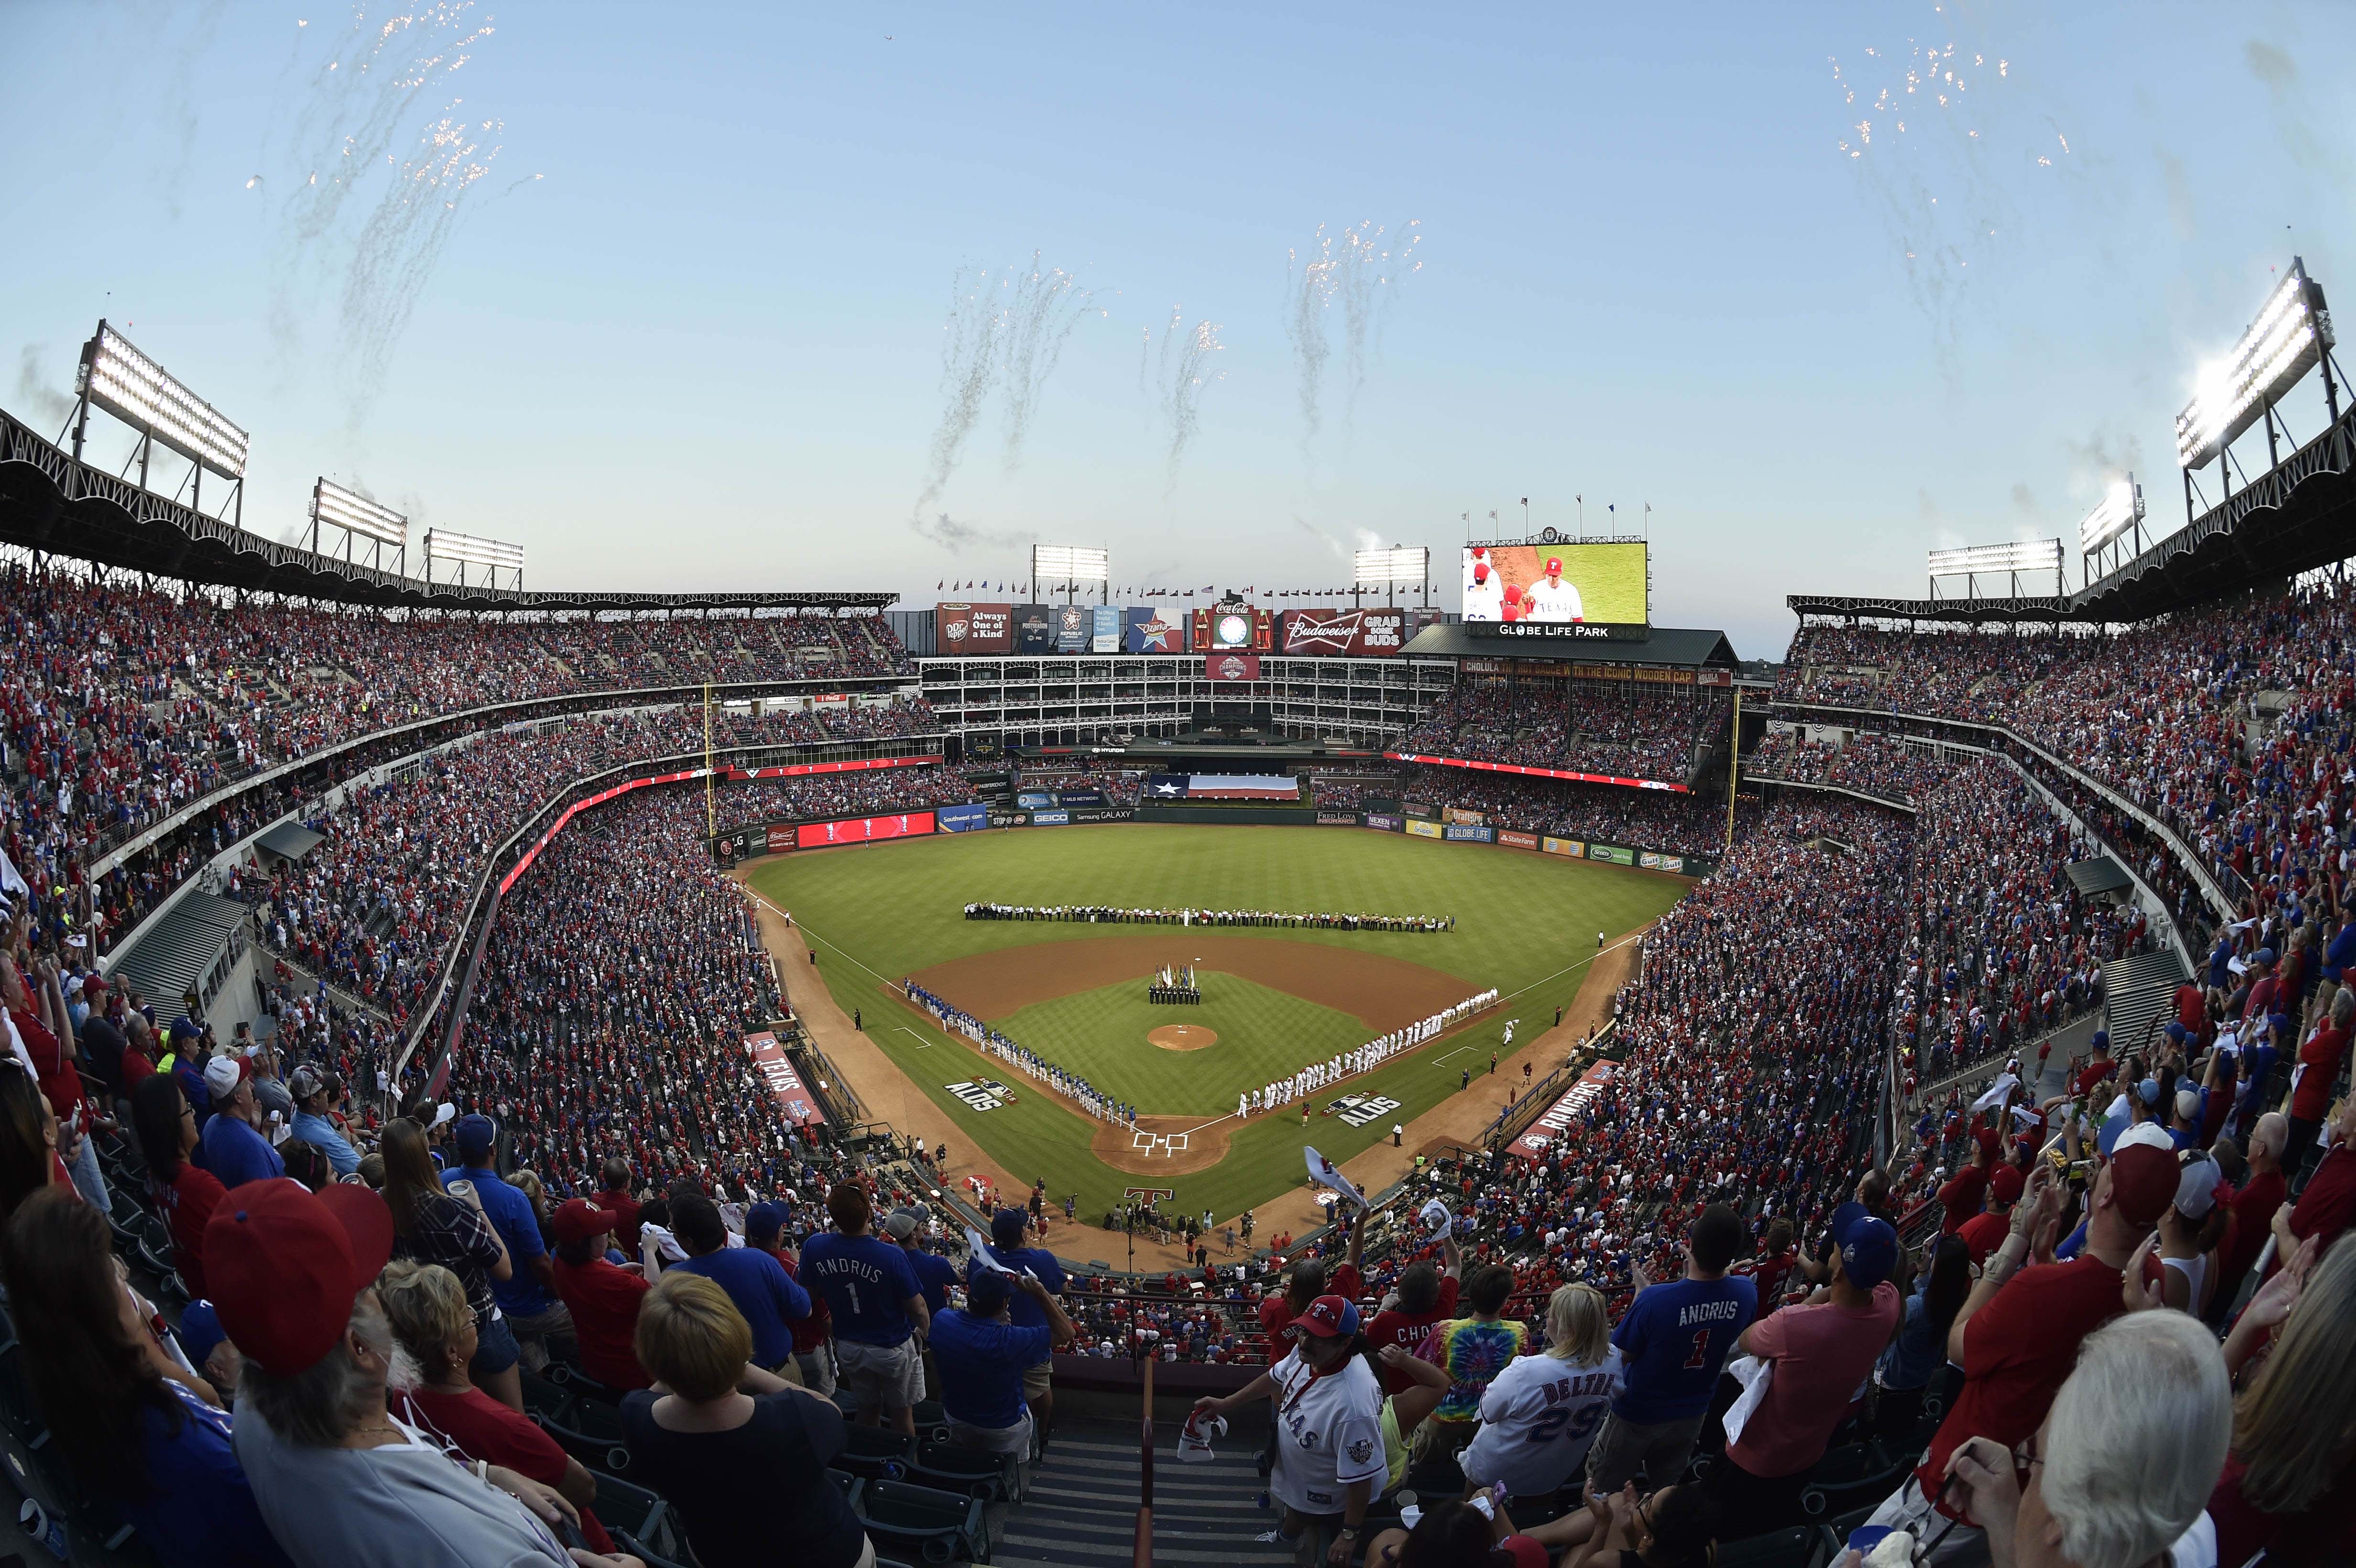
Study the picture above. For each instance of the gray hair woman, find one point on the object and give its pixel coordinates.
(2126, 1458)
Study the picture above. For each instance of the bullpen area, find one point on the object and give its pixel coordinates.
(1273, 999)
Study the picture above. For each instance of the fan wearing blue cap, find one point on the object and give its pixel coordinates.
(982, 1356)
(1009, 1231)
(1819, 1352)
(527, 1296)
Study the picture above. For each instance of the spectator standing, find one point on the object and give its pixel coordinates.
(1902, 1376)
(426, 1308)
(1984, 1232)
(878, 1307)
(1330, 1459)
(184, 1192)
(2019, 1329)
(983, 1356)
(765, 1227)
(2320, 1059)
(135, 1427)
(1540, 1415)
(1819, 1354)
(526, 1293)
(339, 1479)
(1674, 1339)
(2252, 1209)
(36, 1011)
(1962, 1196)
(1424, 1295)
(436, 1226)
(233, 1149)
(613, 1197)
(1473, 1350)
(602, 1296)
(2117, 1474)
(746, 1471)
(1010, 1241)
(934, 1274)
(769, 1298)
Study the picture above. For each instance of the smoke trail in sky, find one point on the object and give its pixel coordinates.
(1003, 337)
(1360, 269)
(381, 166)
(1948, 147)
(1040, 308)
(1186, 370)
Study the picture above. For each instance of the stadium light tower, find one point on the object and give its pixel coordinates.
(2291, 337)
(116, 378)
(2118, 513)
(2012, 559)
(1071, 565)
(1385, 569)
(361, 518)
(462, 551)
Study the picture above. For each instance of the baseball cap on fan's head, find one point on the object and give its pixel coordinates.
(577, 1220)
(2144, 1174)
(224, 1074)
(292, 1263)
(477, 1133)
(902, 1224)
(304, 1081)
(1988, 1140)
(2102, 1039)
(2005, 1183)
(1006, 1227)
(765, 1220)
(2196, 1184)
(987, 1291)
(1328, 1317)
(1869, 1250)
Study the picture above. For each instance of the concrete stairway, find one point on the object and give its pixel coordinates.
(1082, 1507)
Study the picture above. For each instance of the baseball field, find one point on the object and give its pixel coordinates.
(1274, 999)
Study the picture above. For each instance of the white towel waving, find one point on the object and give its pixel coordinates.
(1325, 1171)
(1437, 1221)
(2004, 1085)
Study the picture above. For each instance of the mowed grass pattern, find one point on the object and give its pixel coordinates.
(876, 913)
(1263, 1035)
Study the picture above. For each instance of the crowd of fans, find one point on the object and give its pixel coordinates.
(1868, 764)
(1622, 729)
(1664, 820)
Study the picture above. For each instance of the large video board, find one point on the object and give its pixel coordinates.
(1556, 584)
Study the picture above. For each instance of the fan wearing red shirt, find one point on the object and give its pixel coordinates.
(53, 1065)
(2318, 1062)
(1962, 1195)
(2098, 1069)
(616, 1200)
(603, 1298)
(182, 1190)
(2252, 1209)
(2018, 1334)
(430, 1319)
(2326, 1204)
(1307, 1282)
(1426, 1296)
(1983, 1233)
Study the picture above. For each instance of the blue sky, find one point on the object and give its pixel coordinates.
(707, 342)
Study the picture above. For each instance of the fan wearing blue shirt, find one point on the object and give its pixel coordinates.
(878, 1309)
(1675, 1340)
(314, 1093)
(1010, 1233)
(934, 1274)
(229, 1146)
(527, 1296)
(770, 1300)
(982, 1356)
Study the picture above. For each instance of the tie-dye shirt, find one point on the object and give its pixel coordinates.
(1474, 1351)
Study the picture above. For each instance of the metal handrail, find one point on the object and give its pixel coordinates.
(1142, 1543)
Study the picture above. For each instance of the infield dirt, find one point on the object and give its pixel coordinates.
(1379, 991)
(1183, 1037)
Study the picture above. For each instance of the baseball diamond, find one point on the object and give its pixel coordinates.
(1276, 998)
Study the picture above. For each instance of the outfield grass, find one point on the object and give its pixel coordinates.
(1264, 1035)
(1526, 923)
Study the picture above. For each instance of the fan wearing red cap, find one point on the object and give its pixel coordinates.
(1984, 1233)
(1552, 599)
(1330, 1456)
(338, 1479)
(2018, 1334)
(604, 1299)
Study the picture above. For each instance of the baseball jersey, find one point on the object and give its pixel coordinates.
(1551, 601)
(1539, 1418)
(1331, 1433)
(863, 1281)
(1484, 601)
(1674, 1339)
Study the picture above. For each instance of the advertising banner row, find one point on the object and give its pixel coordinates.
(1535, 772)
(1376, 633)
(1644, 675)
(1458, 826)
(1542, 1133)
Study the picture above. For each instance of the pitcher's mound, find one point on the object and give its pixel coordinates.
(1183, 1037)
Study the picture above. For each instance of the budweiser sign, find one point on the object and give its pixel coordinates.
(1357, 632)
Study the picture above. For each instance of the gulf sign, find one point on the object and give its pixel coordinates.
(862, 829)
(1559, 1115)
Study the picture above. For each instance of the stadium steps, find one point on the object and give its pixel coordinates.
(2136, 990)
(1081, 1511)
